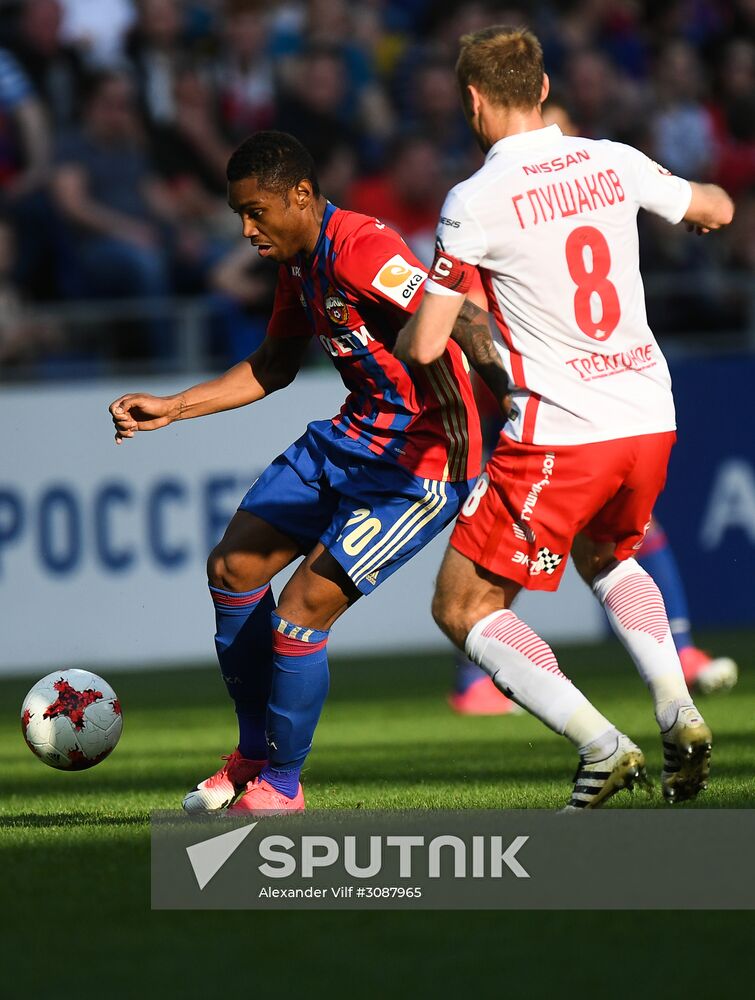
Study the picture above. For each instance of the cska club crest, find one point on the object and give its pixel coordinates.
(336, 308)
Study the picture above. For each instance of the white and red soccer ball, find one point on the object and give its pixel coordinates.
(71, 719)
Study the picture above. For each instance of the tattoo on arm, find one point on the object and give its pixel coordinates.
(472, 333)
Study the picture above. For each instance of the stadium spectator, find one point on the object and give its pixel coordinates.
(55, 68)
(734, 117)
(22, 338)
(620, 34)
(189, 155)
(743, 240)
(244, 291)
(24, 134)
(331, 24)
(606, 104)
(311, 107)
(337, 170)
(683, 136)
(700, 22)
(325, 23)
(407, 195)
(243, 74)
(741, 261)
(433, 111)
(110, 199)
(423, 85)
(98, 28)
(25, 147)
(154, 49)
(676, 79)
(441, 25)
(190, 151)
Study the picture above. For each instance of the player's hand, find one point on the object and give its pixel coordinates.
(138, 411)
(700, 230)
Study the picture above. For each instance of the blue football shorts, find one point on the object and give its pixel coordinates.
(371, 514)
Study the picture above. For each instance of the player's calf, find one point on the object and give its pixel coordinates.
(465, 593)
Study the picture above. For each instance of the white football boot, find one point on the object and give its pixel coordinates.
(219, 790)
(597, 781)
(686, 756)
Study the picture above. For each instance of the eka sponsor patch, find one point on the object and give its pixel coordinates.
(399, 280)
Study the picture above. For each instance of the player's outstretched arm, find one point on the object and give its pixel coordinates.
(472, 333)
(273, 366)
(710, 208)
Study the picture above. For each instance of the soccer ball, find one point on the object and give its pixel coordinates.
(71, 719)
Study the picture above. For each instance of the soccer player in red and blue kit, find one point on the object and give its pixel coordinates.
(356, 496)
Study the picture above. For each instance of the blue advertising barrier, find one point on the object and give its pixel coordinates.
(103, 548)
(708, 506)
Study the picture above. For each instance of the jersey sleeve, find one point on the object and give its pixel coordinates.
(656, 189)
(378, 266)
(288, 318)
(460, 245)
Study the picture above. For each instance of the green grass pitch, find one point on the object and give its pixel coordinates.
(74, 848)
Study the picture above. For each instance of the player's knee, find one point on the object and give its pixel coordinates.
(450, 617)
(583, 565)
(591, 558)
(299, 610)
(590, 566)
(440, 609)
(226, 570)
(306, 613)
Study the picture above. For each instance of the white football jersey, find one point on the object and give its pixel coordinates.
(550, 222)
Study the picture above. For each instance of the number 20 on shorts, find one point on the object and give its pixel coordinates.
(360, 536)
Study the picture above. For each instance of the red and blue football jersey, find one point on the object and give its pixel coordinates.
(354, 294)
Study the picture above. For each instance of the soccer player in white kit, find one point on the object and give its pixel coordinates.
(549, 221)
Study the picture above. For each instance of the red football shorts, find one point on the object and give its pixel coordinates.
(531, 501)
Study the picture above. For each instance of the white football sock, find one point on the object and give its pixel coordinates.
(637, 614)
(523, 666)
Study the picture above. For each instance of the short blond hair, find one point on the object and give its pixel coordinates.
(505, 64)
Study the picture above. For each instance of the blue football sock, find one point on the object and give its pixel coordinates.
(245, 651)
(466, 674)
(298, 691)
(658, 559)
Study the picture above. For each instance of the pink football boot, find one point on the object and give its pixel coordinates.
(483, 698)
(705, 674)
(221, 788)
(261, 799)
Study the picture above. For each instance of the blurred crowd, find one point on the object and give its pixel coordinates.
(117, 118)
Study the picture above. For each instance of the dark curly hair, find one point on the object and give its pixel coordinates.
(276, 159)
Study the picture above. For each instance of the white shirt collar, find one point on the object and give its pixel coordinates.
(522, 140)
